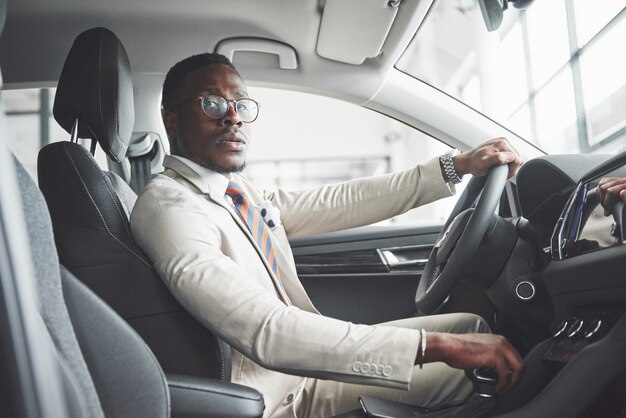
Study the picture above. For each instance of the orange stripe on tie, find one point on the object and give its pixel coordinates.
(255, 225)
(252, 218)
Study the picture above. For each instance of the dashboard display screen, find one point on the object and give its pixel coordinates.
(584, 224)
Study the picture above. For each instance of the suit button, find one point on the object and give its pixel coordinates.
(372, 370)
(365, 368)
(356, 366)
(387, 370)
(290, 398)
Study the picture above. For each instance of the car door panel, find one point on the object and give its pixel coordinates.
(364, 275)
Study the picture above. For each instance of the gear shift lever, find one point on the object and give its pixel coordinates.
(484, 382)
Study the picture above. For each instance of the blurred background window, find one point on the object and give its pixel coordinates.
(555, 73)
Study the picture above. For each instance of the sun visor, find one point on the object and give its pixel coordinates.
(353, 30)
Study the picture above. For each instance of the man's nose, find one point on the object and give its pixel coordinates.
(232, 117)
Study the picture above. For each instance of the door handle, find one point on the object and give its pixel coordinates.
(391, 260)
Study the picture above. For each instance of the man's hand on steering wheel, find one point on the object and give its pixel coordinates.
(467, 224)
(475, 351)
(455, 247)
(477, 161)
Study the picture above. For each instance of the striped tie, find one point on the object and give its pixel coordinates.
(257, 227)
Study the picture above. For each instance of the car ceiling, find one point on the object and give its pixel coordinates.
(158, 33)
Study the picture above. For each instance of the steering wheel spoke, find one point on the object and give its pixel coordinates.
(459, 239)
(451, 235)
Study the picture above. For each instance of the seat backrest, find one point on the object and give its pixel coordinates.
(89, 210)
(107, 369)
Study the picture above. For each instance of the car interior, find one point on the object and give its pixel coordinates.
(87, 326)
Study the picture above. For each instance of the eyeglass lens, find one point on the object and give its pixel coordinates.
(216, 107)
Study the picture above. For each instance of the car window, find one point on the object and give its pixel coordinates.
(299, 141)
(551, 73)
(302, 140)
(32, 126)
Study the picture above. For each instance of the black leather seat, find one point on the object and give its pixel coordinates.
(90, 209)
(105, 367)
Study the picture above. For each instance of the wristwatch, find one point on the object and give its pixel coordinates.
(448, 166)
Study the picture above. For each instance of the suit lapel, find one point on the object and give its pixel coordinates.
(289, 276)
(203, 188)
(291, 282)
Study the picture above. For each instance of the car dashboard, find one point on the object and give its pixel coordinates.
(577, 264)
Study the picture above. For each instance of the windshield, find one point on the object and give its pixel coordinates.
(555, 74)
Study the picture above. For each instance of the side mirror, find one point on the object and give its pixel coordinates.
(492, 10)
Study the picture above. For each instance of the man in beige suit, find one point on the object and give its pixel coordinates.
(305, 364)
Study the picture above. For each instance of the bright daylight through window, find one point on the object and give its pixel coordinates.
(555, 74)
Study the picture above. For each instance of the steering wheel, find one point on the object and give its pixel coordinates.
(459, 239)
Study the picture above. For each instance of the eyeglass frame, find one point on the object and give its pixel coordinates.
(228, 102)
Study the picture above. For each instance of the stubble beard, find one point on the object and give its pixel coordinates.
(178, 148)
(212, 165)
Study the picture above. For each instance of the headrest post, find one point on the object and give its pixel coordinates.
(92, 149)
(74, 132)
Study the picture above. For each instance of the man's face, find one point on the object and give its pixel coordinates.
(218, 144)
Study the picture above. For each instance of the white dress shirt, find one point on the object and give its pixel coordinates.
(218, 183)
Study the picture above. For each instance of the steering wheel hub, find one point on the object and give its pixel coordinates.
(459, 239)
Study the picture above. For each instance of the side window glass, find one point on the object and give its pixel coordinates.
(303, 141)
(31, 126)
(299, 141)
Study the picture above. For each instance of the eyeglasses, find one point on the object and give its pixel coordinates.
(216, 107)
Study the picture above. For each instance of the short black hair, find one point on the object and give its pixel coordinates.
(176, 75)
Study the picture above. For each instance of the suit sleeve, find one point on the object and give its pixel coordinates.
(171, 224)
(360, 202)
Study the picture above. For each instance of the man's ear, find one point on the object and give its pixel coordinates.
(170, 121)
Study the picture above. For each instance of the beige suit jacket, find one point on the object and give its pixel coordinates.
(207, 257)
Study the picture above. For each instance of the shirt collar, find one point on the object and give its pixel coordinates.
(217, 182)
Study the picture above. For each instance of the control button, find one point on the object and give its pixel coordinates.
(387, 370)
(575, 330)
(525, 290)
(593, 330)
(290, 398)
(559, 331)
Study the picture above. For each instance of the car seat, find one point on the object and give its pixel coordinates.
(107, 369)
(90, 209)
(84, 359)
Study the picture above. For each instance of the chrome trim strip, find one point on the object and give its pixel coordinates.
(388, 257)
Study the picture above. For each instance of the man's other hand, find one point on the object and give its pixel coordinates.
(479, 160)
(475, 351)
(610, 189)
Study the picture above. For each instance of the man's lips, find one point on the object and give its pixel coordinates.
(232, 141)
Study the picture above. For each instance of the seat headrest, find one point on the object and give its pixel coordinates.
(3, 13)
(96, 88)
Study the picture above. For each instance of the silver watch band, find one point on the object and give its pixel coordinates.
(448, 166)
